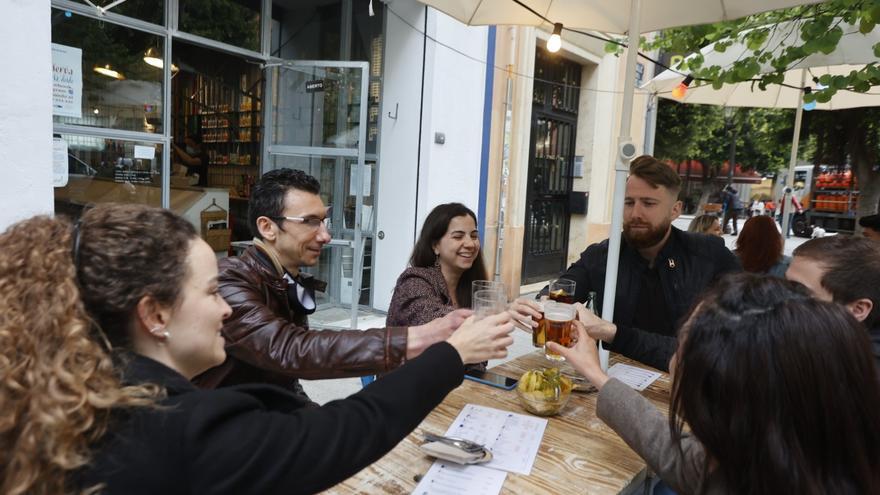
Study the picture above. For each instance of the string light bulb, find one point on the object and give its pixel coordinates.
(555, 41)
(679, 91)
(809, 105)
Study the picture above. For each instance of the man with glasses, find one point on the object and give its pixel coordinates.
(268, 339)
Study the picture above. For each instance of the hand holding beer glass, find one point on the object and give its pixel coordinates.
(558, 318)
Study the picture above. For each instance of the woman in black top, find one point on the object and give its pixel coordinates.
(138, 280)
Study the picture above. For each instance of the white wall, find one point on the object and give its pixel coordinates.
(411, 182)
(398, 147)
(25, 111)
(451, 171)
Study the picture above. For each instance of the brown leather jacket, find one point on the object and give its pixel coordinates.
(266, 342)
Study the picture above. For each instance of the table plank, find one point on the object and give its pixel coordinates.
(578, 454)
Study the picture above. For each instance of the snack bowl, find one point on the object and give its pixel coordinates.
(544, 392)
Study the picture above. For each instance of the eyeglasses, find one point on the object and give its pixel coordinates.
(311, 222)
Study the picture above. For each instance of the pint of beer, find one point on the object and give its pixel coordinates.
(558, 319)
(539, 333)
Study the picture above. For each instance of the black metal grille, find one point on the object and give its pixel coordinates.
(554, 120)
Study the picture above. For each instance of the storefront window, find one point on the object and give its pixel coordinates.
(337, 176)
(109, 171)
(145, 10)
(120, 70)
(236, 22)
(217, 128)
(307, 30)
(317, 106)
(313, 30)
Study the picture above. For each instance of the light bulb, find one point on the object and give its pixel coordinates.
(555, 41)
(679, 91)
(810, 106)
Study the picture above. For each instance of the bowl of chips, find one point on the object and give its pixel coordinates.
(544, 391)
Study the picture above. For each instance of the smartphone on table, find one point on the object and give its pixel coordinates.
(491, 379)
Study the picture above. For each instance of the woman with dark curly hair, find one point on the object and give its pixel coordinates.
(759, 247)
(778, 392)
(103, 324)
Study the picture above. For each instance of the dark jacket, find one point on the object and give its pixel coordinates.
(260, 438)
(267, 342)
(687, 264)
(420, 295)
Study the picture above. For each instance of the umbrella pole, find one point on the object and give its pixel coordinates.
(625, 153)
(792, 162)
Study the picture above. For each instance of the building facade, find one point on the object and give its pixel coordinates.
(393, 106)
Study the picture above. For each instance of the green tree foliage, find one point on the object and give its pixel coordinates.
(703, 132)
(835, 138)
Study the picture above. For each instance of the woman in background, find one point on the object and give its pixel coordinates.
(759, 247)
(778, 390)
(445, 261)
(103, 325)
(705, 224)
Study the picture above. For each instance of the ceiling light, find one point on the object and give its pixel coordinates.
(106, 70)
(153, 58)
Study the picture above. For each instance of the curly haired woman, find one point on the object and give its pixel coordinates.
(78, 416)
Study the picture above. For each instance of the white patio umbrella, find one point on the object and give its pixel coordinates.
(853, 51)
(614, 16)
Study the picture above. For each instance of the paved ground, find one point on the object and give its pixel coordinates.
(323, 391)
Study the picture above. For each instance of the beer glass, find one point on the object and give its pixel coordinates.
(487, 303)
(558, 319)
(539, 333)
(562, 290)
(478, 285)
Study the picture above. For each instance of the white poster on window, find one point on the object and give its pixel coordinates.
(67, 85)
(368, 180)
(59, 162)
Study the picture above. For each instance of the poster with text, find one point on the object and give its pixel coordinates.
(67, 82)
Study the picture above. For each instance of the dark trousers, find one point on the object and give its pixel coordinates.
(730, 213)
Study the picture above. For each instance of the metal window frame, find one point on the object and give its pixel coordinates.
(169, 32)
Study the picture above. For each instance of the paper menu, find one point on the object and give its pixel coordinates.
(513, 438)
(447, 478)
(637, 378)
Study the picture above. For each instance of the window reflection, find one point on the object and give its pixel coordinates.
(120, 89)
(109, 170)
(236, 22)
(145, 10)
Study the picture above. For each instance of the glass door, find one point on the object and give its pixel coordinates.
(317, 123)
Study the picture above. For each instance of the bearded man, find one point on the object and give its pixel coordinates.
(662, 270)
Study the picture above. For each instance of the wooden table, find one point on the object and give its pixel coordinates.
(578, 454)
